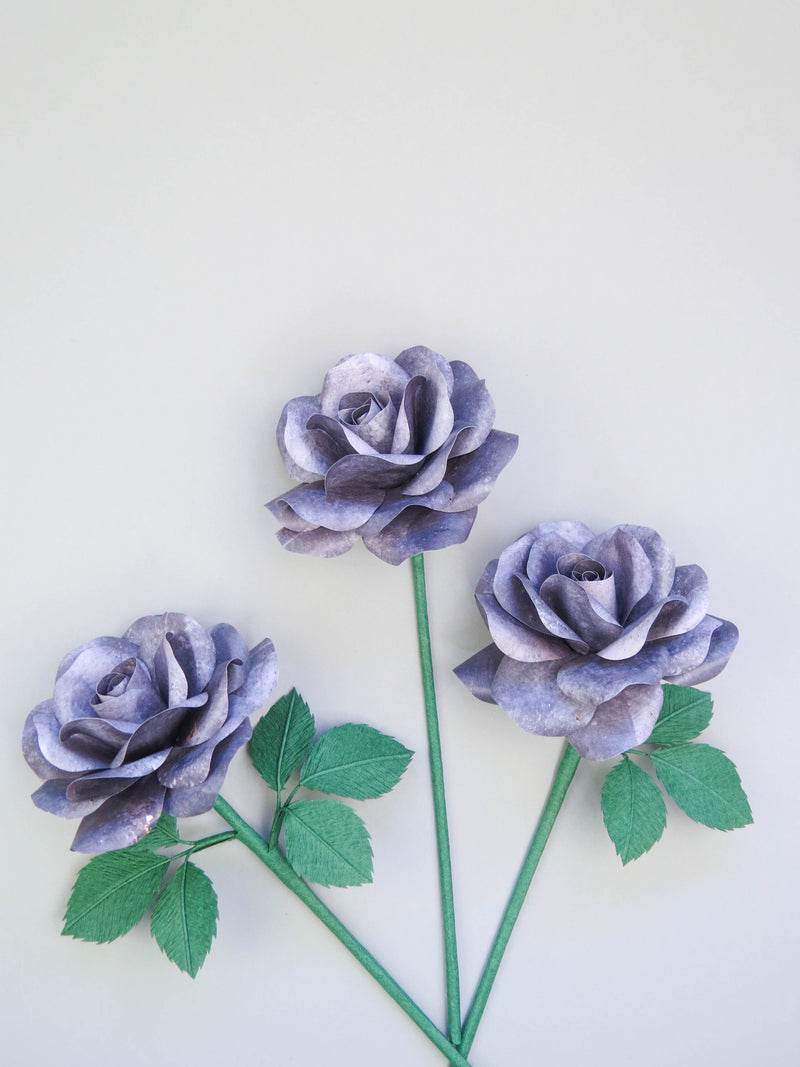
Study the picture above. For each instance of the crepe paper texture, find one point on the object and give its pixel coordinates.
(399, 453)
(144, 724)
(115, 890)
(326, 841)
(700, 779)
(585, 628)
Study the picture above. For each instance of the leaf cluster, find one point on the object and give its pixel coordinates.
(115, 890)
(326, 841)
(699, 778)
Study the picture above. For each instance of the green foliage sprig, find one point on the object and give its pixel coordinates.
(701, 779)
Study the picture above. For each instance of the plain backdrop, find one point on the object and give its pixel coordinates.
(595, 204)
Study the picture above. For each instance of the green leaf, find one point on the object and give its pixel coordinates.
(163, 835)
(112, 893)
(704, 782)
(685, 713)
(282, 739)
(326, 842)
(633, 810)
(184, 921)
(355, 761)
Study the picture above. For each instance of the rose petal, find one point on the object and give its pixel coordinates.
(549, 542)
(516, 640)
(123, 819)
(477, 673)
(191, 644)
(108, 783)
(358, 477)
(529, 694)
(315, 508)
(76, 682)
(139, 700)
(160, 731)
(200, 798)
(228, 642)
(723, 641)
(170, 679)
(318, 542)
(52, 797)
(473, 476)
(306, 454)
(473, 408)
(424, 362)
(571, 602)
(690, 589)
(633, 637)
(260, 679)
(618, 724)
(365, 372)
(620, 552)
(439, 499)
(416, 530)
(596, 680)
(54, 751)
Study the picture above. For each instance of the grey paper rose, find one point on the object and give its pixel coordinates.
(143, 724)
(586, 628)
(397, 452)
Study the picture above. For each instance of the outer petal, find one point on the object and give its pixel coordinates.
(473, 408)
(260, 681)
(122, 820)
(477, 673)
(423, 361)
(306, 454)
(596, 680)
(52, 797)
(358, 477)
(440, 499)
(42, 742)
(620, 723)
(419, 530)
(530, 695)
(317, 542)
(723, 642)
(228, 642)
(686, 605)
(473, 475)
(315, 508)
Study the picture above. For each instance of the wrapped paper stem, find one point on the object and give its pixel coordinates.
(439, 804)
(273, 859)
(564, 775)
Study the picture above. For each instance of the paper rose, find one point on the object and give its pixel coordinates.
(397, 452)
(143, 724)
(586, 628)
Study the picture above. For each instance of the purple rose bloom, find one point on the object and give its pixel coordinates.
(397, 452)
(143, 724)
(586, 628)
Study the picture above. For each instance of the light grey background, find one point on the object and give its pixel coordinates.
(595, 204)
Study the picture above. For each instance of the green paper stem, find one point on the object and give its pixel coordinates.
(209, 842)
(439, 805)
(564, 775)
(273, 859)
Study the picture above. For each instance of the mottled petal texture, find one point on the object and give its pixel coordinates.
(144, 724)
(398, 453)
(586, 628)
